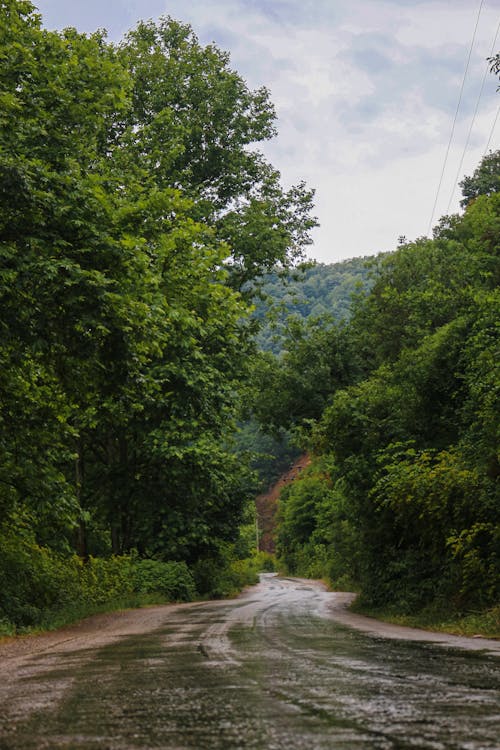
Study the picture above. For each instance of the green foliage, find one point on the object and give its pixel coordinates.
(226, 574)
(138, 217)
(321, 292)
(171, 579)
(39, 586)
(294, 390)
(268, 456)
(426, 498)
(484, 181)
(245, 572)
(407, 508)
(193, 123)
(317, 537)
(133, 206)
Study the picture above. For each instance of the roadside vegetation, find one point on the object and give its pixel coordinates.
(44, 591)
(135, 208)
(399, 408)
(485, 623)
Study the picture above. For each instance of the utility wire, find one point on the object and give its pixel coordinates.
(492, 131)
(486, 71)
(455, 118)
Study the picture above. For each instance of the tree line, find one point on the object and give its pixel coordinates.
(135, 207)
(314, 291)
(399, 407)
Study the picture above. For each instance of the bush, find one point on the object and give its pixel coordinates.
(104, 579)
(40, 588)
(264, 562)
(32, 581)
(226, 576)
(173, 580)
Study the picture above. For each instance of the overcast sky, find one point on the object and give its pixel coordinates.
(366, 93)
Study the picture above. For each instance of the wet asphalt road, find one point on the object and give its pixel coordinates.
(271, 670)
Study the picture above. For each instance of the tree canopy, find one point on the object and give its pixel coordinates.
(133, 206)
(402, 497)
(484, 181)
(138, 218)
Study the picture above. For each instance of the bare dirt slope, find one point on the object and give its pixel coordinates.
(267, 504)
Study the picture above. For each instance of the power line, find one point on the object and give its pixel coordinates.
(492, 131)
(455, 118)
(486, 71)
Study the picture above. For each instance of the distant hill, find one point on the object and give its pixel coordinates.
(319, 291)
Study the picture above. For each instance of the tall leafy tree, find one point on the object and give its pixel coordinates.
(409, 505)
(123, 171)
(55, 245)
(187, 96)
(484, 181)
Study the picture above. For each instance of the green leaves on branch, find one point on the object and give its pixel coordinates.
(410, 434)
(131, 199)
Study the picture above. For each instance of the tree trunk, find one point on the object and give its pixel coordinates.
(81, 539)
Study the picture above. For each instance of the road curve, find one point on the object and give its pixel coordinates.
(285, 665)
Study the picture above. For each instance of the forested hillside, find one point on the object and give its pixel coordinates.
(401, 409)
(134, 208)
(314, 291)
(311, 295)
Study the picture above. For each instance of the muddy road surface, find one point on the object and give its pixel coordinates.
(283, 666)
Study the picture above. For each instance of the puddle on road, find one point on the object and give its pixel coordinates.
(302, 683)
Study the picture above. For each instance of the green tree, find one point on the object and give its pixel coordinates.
(188, 97)
(484, 181)
(410, 504)
(55, 247)
(292, 390)
(123, 338)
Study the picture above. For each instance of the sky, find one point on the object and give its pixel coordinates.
(366, 93)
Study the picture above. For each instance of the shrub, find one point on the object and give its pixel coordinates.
(42, 588)
(226, 575)
(173, 580)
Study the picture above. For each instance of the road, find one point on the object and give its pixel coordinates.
(283, 666)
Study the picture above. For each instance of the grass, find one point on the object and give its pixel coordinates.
(239, 574)
(70, 615)
(485, 623)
